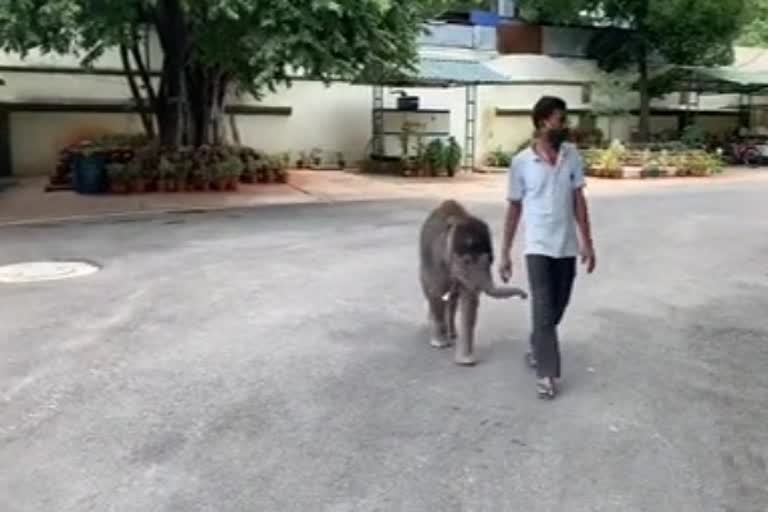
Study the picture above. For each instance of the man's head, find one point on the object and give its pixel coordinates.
(550, 122)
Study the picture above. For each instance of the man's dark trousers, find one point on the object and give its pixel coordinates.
(551, 281)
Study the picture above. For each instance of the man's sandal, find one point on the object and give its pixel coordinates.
(546, 388)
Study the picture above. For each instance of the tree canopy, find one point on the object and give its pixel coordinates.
(755, 32)
(212, 47)
(641, 33)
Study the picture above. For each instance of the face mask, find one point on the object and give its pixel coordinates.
(556, 137)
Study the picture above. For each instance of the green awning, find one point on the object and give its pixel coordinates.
(723, 80)
(458, 72)
(431, 72)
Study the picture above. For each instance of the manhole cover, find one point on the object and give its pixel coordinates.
(33, 271)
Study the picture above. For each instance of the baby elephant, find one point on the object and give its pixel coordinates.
(456, 255)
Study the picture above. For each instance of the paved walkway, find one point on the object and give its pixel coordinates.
(25, 201)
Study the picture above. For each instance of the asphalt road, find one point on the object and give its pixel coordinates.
(277, 359)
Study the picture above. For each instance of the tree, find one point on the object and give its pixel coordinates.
(755, 32)
(612, 96)
(644, 33)
(212, 48)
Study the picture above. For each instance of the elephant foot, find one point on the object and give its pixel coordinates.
(437, 343)
(465, 360)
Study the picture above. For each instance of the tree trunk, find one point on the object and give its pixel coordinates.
(141, 106)
(171, 28)
(207, 102)
(144, 72)
(218, 110)
(644, 125)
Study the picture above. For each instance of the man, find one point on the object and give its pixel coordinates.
(545, 187)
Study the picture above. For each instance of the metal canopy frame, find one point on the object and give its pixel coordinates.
(439, 73)
(470, 122)
(712, 81)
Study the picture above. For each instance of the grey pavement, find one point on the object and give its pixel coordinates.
(277, 359)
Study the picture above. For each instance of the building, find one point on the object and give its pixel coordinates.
(49, 101)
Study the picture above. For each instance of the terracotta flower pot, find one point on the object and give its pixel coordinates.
(118, 188)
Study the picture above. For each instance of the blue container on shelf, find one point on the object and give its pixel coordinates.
(484, 18)
(89, 174)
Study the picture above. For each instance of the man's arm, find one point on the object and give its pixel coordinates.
(582, 217)
(585, 230)
(511, 221)
(515, 192)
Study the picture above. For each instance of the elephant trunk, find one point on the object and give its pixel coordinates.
(502, 292)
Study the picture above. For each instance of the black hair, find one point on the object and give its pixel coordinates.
(545, 107)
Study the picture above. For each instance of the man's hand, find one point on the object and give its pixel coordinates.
(588, 258)
(505, 268)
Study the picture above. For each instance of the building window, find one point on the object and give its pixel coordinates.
(586, 94)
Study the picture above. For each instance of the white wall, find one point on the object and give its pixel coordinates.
(335, 118)
(54, 86)
(36, 138)
(509, 131)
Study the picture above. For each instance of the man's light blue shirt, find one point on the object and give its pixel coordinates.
(547, 195)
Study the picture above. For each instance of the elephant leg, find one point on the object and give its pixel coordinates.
(469, 303)
(438, 332)
(450, 321)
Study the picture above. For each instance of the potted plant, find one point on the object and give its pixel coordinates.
(262, 171)
(452, 158)
(251, 168)
(316, 156)
(200, 177)
(218, 171)
(234, 171)
(303, 160)
(166, 175)
(434, 157)
(181, 174)
(118, 178)
(134, 177)
(498, 158)
(279, 170)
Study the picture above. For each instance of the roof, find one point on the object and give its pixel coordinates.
(457, 71)
(723, 80)
(442, 72)
(543, 69)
